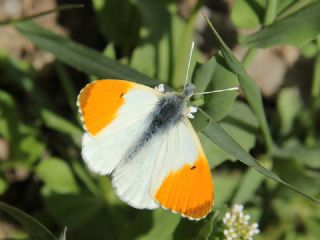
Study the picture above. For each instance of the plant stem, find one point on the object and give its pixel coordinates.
(41, 14)
(249, 56)
(271, 12)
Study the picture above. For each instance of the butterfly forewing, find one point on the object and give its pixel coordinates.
(114, 113)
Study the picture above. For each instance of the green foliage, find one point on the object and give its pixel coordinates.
(148, 42)
(296, 29)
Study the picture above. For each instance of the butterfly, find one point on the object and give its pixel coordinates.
(144, 139)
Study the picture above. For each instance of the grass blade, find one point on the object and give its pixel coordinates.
(247, 84)
(35, 228)
(80, 57)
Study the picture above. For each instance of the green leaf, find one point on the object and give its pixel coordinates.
(215, 133)
(202, 74)
(218, 105)
(248, 13)
(118, 21)
(80, 57)
(35, 228)
(241, 125)
(147, 53)
(213, 75)
(207, 228)
(247, 84)
(295, 29)
(58, 123)
(57, 176)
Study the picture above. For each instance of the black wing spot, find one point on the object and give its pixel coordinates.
(193, 167)
(121, 95)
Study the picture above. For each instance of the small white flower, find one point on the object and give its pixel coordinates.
(237, 208)
(237, 224)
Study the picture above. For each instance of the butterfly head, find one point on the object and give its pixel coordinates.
(188, 91)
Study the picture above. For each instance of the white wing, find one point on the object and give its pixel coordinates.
(104, 150)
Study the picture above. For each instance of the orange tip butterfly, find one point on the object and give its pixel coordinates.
(143, 138)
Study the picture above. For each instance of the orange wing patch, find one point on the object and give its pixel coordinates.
(188, 191)
(99, 103)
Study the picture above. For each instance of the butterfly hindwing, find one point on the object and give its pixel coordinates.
(181, 180)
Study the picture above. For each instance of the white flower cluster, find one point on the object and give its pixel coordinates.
(237, 225)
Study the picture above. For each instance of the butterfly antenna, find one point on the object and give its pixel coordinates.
(221, 90)
(189, 61)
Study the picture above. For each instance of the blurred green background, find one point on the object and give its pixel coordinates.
(44, 65)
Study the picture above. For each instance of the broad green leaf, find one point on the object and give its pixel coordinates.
(118, 22)
(208, 227)
(80, 57)
(219, 136)
(31, 148)
(58, 123)
(247, 84)
(248, 13)
(310, 49)
(241, 125)
(34, 228)
(202, 74)
(218, 105)
(147, 65)
(295, 29)
(57, 176)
